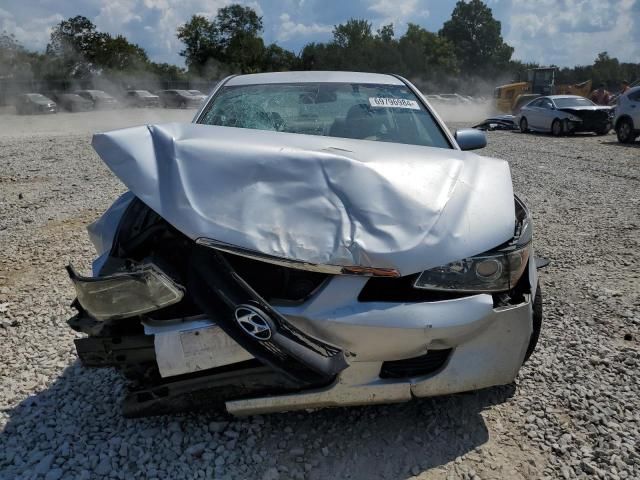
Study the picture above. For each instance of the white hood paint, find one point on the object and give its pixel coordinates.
(317, 199)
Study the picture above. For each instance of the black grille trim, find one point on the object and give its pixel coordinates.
(426, 364)
(402, 290)
(218, 289)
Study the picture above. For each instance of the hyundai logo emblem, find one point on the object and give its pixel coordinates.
(253, 322)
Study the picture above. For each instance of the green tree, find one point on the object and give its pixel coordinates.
(236, 21)
(354, 34)
(117, 53)
(200, 38)
(232, 38)
(74, 45)
(386, 33)
(426, 55)
(14, 58)
(277, 59)
(606, 70)
(476, 38)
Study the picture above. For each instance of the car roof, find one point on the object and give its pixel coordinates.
(314, 77)
(555, 97)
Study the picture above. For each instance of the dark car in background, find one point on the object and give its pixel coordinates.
(198, 94)
(74, 103)
(141, 98)
(174, 98)
(30, 103)
(99, 98)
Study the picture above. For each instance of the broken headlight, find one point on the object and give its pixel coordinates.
(495, 271)
(127, 294)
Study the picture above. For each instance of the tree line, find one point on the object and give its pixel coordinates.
(468, 54)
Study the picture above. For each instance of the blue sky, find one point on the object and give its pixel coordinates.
(562, 32)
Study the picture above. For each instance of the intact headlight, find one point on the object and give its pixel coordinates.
(498, 270)
(126, 294)
(573, 118)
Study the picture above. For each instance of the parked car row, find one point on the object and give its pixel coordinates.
(84, 100)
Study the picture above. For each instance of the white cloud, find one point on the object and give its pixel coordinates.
(399, 12)
(33, 33)
(571, 32)
(290, 29)
(153, 23)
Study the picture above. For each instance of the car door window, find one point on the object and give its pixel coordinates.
(546, 103)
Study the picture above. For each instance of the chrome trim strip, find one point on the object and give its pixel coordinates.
(297, 264)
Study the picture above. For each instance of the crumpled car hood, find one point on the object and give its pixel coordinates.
(316, 199)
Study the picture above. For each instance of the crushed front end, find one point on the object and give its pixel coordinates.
(204, 324)
(269, 271)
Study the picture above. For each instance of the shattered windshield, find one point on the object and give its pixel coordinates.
(573, 102)
(386, 113)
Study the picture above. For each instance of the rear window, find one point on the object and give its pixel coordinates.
(385, 113)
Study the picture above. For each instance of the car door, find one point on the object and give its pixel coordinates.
(547, 114)
(634, 108)
(532, 113)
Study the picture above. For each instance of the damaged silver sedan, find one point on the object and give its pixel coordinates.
(312, 239)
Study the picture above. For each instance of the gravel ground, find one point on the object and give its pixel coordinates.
(574, 411)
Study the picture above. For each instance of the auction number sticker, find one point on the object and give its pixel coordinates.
(393, 103)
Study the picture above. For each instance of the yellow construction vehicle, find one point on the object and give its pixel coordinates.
(540, 81)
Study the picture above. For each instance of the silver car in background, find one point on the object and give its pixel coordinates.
(627, 118)
(312, 239)
(564, 114)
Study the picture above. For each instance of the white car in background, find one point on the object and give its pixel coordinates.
(564, 114)
(627, 119)
(312, 239)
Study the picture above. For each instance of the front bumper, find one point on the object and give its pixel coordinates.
(333, 346)
(490, 356)
(472, 345)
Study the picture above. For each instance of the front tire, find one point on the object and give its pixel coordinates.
(524, 125)
(537, 324)
(624, 131)
(556, 128)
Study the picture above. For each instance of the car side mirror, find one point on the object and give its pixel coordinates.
(470, 139)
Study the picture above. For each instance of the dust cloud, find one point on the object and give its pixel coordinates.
(87, 123)
(473, 112)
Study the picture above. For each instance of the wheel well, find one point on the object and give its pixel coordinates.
(624, 117)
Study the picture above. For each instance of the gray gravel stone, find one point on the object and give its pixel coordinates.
(573, 412)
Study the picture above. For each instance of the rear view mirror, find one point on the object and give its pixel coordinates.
(470, 139)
